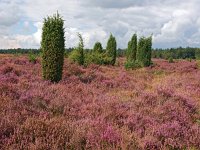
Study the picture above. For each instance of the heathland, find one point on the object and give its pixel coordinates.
(99, 107)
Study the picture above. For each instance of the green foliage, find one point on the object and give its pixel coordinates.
(121, 52)
(98, 47)
(177, 53)
(144, 51)
(158, 72)
(39, 54)
(132, 65)
(171, 60)
(32, 58)
(77, 55)
(111, 49)
(198, 63)
(16, 54)
(67, 52)
(132, 49)
(97, 58)
(138, 55)
(141, 57)
(189, 59)
(80, 49)
(197, 54)
(97, 55)
(53, 47)
(18, 51)
(74, 56)
(148, 50)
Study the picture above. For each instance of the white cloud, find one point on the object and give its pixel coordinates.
(9, 13)
(172, 22)
(8, 42)
(38, 35)
(181, 29)
(18, 41)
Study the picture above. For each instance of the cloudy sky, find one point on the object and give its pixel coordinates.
(173, 23)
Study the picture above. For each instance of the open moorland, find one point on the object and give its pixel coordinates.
(100, 107)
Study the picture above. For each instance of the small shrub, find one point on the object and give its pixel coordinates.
(170, 60)
(74, 56)
(97, 58)
(98, 47)
(77, 55)
(16, 54)
(32, 58)
(197, 54)
(198, 63)
(67, 53)
(189, 59)
(132, 65)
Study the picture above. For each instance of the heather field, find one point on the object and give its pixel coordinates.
(100, 107)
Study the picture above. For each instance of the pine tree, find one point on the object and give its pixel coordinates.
(111, 49)
(132, 49)
(53, 47)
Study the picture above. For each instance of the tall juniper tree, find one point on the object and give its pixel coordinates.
(111, 49)
(149, 50)
(144, 51)
(53, 47)
(132, 49)
(141, 51)
(80, 50)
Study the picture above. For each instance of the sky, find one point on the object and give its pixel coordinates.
(173, 23)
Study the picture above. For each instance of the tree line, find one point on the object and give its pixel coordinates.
(19, 51)
(177, 53)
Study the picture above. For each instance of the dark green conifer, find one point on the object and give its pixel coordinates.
(144, 51)
(53, 47)
(132, 49)
(111, 49)
(98, 47)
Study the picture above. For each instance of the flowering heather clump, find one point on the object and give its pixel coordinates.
(102, 136)
(99, 107)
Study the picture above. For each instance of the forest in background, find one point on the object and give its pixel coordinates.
(175, 53)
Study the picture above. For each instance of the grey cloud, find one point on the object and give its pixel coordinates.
(170, 21)
(9, 13)
(119, 3)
